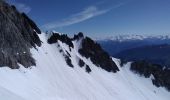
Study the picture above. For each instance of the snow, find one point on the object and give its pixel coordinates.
(53, 79)
(122, 38)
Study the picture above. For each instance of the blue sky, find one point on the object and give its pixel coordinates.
(99, 18)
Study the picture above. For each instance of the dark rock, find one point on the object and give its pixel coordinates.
(88, 69)
(54, 38)
(89, 49)
(17, 37)
(68, 61)
(68, 54)
(63, 38)
(31, 23)
(81, 63)
(122, 62)
(98, 56)
(161, 75)
(78, 36)
(60, 50)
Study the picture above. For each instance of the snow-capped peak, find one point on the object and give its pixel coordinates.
(56, 67)
(133, 37)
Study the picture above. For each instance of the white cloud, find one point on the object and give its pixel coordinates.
(87, 13)
(22, 7)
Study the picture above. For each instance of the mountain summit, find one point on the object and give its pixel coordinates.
(18, 34)
(39, 66)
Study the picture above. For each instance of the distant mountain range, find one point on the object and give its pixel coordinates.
(153, 49)
(158, 54)
(122, 38)
(53, 66)
(114, 45)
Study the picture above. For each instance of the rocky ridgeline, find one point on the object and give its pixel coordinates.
(89, 49)
(82, 64)
(161, 75)
(63, 38)
(98, 56)
(18, 34)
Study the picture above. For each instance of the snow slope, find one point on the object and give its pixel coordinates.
(53, 79)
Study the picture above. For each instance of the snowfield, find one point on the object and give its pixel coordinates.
(53, 79)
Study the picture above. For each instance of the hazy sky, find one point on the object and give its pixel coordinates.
(99, 18)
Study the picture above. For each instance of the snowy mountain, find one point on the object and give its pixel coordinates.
(158, 54)
(53, 79)
(118, 44)
(154, 49)
(122, 38)
(54, 66)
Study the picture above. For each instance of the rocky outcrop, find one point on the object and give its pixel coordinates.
(18, 34)
(89, 49)
(78, 36)
(32, 24)
(98, 56)
(88, 70)
(63, 38)
(81, 63)
(68, 61)
(161, 75)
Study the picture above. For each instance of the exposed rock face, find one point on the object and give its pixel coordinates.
(98, 56)
(78, 36)
(32, 24)
(81, 63)
(161, 75)
(63, 38)
(68, 61)
(88, 70)
(89, 49)
(66, 55)
(18, 34)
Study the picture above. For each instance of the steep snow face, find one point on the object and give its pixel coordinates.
(53, 79)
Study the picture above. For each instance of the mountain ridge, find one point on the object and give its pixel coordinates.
(54, 66)
(18, 34)
(122, 38)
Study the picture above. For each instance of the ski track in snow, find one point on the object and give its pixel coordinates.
(53, 79)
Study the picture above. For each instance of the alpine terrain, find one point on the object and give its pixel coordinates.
(52, 66)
